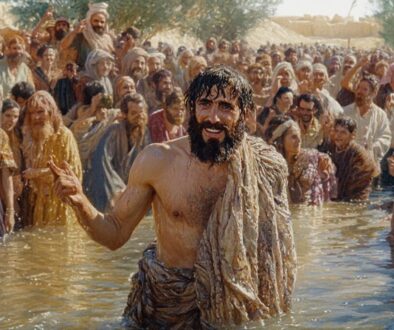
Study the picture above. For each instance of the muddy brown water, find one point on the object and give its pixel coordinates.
(59, 279)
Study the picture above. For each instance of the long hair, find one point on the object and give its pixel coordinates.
(45, 100)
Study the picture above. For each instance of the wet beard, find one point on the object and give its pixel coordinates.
(213, 151)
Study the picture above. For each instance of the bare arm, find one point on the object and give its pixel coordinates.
(346, 82)
(69, 38)
(6, 178)
(115, 228)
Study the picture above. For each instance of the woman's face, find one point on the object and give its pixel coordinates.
(9, 119)
(292, 141)
(285, 80)
(104, 67)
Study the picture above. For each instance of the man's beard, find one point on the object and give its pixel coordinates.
(40, 133)
(174, 120)
(60, 34)
(361, 100)
(136, 130)
(136, 74)
(161, 96)
(99, 30)
(15, 59)
(214, 151)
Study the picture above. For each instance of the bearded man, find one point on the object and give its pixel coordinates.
(155, 63)
(225, 252)
(115, 153)
(163, 86)
(47, 138)
(91, 33)
(134, 64)
(12, 67)
(167, 124)
(308, 110)
(373, 127)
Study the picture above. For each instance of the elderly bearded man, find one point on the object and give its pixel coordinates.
(91, 33)
(225, 252)
(47, 138)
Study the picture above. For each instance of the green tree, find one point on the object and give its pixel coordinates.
(228, 19)
(385, 14)
(202, 18)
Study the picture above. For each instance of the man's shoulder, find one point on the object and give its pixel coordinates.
(168, 149)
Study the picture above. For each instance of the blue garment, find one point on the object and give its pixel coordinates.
(110, 164)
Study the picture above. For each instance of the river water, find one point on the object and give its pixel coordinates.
(59, 279)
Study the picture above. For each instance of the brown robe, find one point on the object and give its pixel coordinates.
(355, 172)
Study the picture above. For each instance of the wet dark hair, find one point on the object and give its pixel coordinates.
(220, 77)
(175, 97)
(159, 75)
(43, 49)
(91, 89)
(23, 90)
(307, 97)
(282, 90)
(9, 104)
(347, 123)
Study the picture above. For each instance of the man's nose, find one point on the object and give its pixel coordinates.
(213, 116)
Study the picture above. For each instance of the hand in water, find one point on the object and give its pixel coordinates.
(67, 185)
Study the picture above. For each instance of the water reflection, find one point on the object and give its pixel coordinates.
(56, 279)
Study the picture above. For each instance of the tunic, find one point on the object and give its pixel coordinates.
(373, 130)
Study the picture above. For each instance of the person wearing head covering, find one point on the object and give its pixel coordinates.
(282, 76)
(134, 64)
(311, 173)
(91, 33)
(97, 68)
(47, 138)
(319, 80)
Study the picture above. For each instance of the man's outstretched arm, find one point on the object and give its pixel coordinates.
(115, 228)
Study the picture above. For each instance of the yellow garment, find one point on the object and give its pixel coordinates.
(48, 209)
(6, 160)
(313, 137)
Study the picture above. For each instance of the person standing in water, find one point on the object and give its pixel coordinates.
(224, 253)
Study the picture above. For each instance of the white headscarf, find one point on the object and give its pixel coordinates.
(91, 68)
(95, 40)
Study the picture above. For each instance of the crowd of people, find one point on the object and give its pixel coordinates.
(95, 99)
(90, 100)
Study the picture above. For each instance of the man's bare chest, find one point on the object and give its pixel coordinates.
(189, 197)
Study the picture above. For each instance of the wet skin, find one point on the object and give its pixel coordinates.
(181, 189)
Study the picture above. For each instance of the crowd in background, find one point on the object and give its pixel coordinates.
(94, 98)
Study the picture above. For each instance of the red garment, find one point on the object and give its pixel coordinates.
(157, 128)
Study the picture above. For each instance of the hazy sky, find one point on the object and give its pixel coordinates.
(324, 7)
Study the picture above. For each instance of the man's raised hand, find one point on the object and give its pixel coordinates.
(67, 185)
